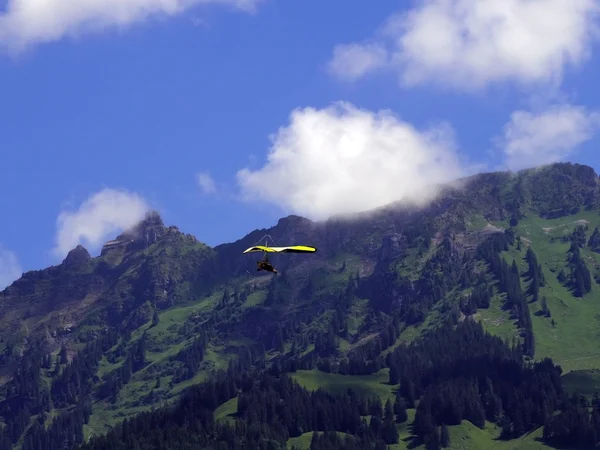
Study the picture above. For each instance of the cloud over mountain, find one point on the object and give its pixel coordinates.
(99, 216)
(342, 159)
(532, 139)
(10, 269)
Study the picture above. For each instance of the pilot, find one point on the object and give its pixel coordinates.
(265, 265)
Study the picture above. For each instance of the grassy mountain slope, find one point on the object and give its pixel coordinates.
(181, 310)
(570, 336)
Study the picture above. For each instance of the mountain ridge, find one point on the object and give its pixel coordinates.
(151, 227)
(177, 310)
(390, 228)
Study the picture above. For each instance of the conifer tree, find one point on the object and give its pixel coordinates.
(400, 409)
(444, 437)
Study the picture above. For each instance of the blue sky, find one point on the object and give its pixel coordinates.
(106, 111)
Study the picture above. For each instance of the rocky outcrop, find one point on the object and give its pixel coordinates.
(146, 232)
(392, 247)
(77, 257)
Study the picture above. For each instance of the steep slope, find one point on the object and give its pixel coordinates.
(149, 266)
(159, 311)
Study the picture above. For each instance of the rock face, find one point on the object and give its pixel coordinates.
(147, 232)
(140, 236)
(77, 257)
(392, 246)
(292, 225)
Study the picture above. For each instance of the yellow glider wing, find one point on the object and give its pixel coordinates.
(290, 249)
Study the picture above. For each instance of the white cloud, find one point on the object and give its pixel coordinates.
(471, 44)
(28, 22)
(534, 139)
(342, 159)
(102, 214)
(352, 61)
(10, 269)
(206, 183)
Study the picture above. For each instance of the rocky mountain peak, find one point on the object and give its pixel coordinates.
(147, 231)
(78, 256)
(294, 226)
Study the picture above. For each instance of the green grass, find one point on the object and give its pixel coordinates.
(256, 298)
(335, 383)
(101, 421)
(227, 411)
(584, 382)
(467, 436)
(573, 341)
(177, 316)
(476, 222)
(332, 279)
(405, 436)
(167, 331)
(105, 367)
(413, 332)
(496, 320)
(302, 442)
(356, 315)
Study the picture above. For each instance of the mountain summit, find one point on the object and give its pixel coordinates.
(76, 257)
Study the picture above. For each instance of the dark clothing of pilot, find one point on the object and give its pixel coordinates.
(265, 265)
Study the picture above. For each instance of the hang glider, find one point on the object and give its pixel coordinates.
(289, 249)
(264, 264)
